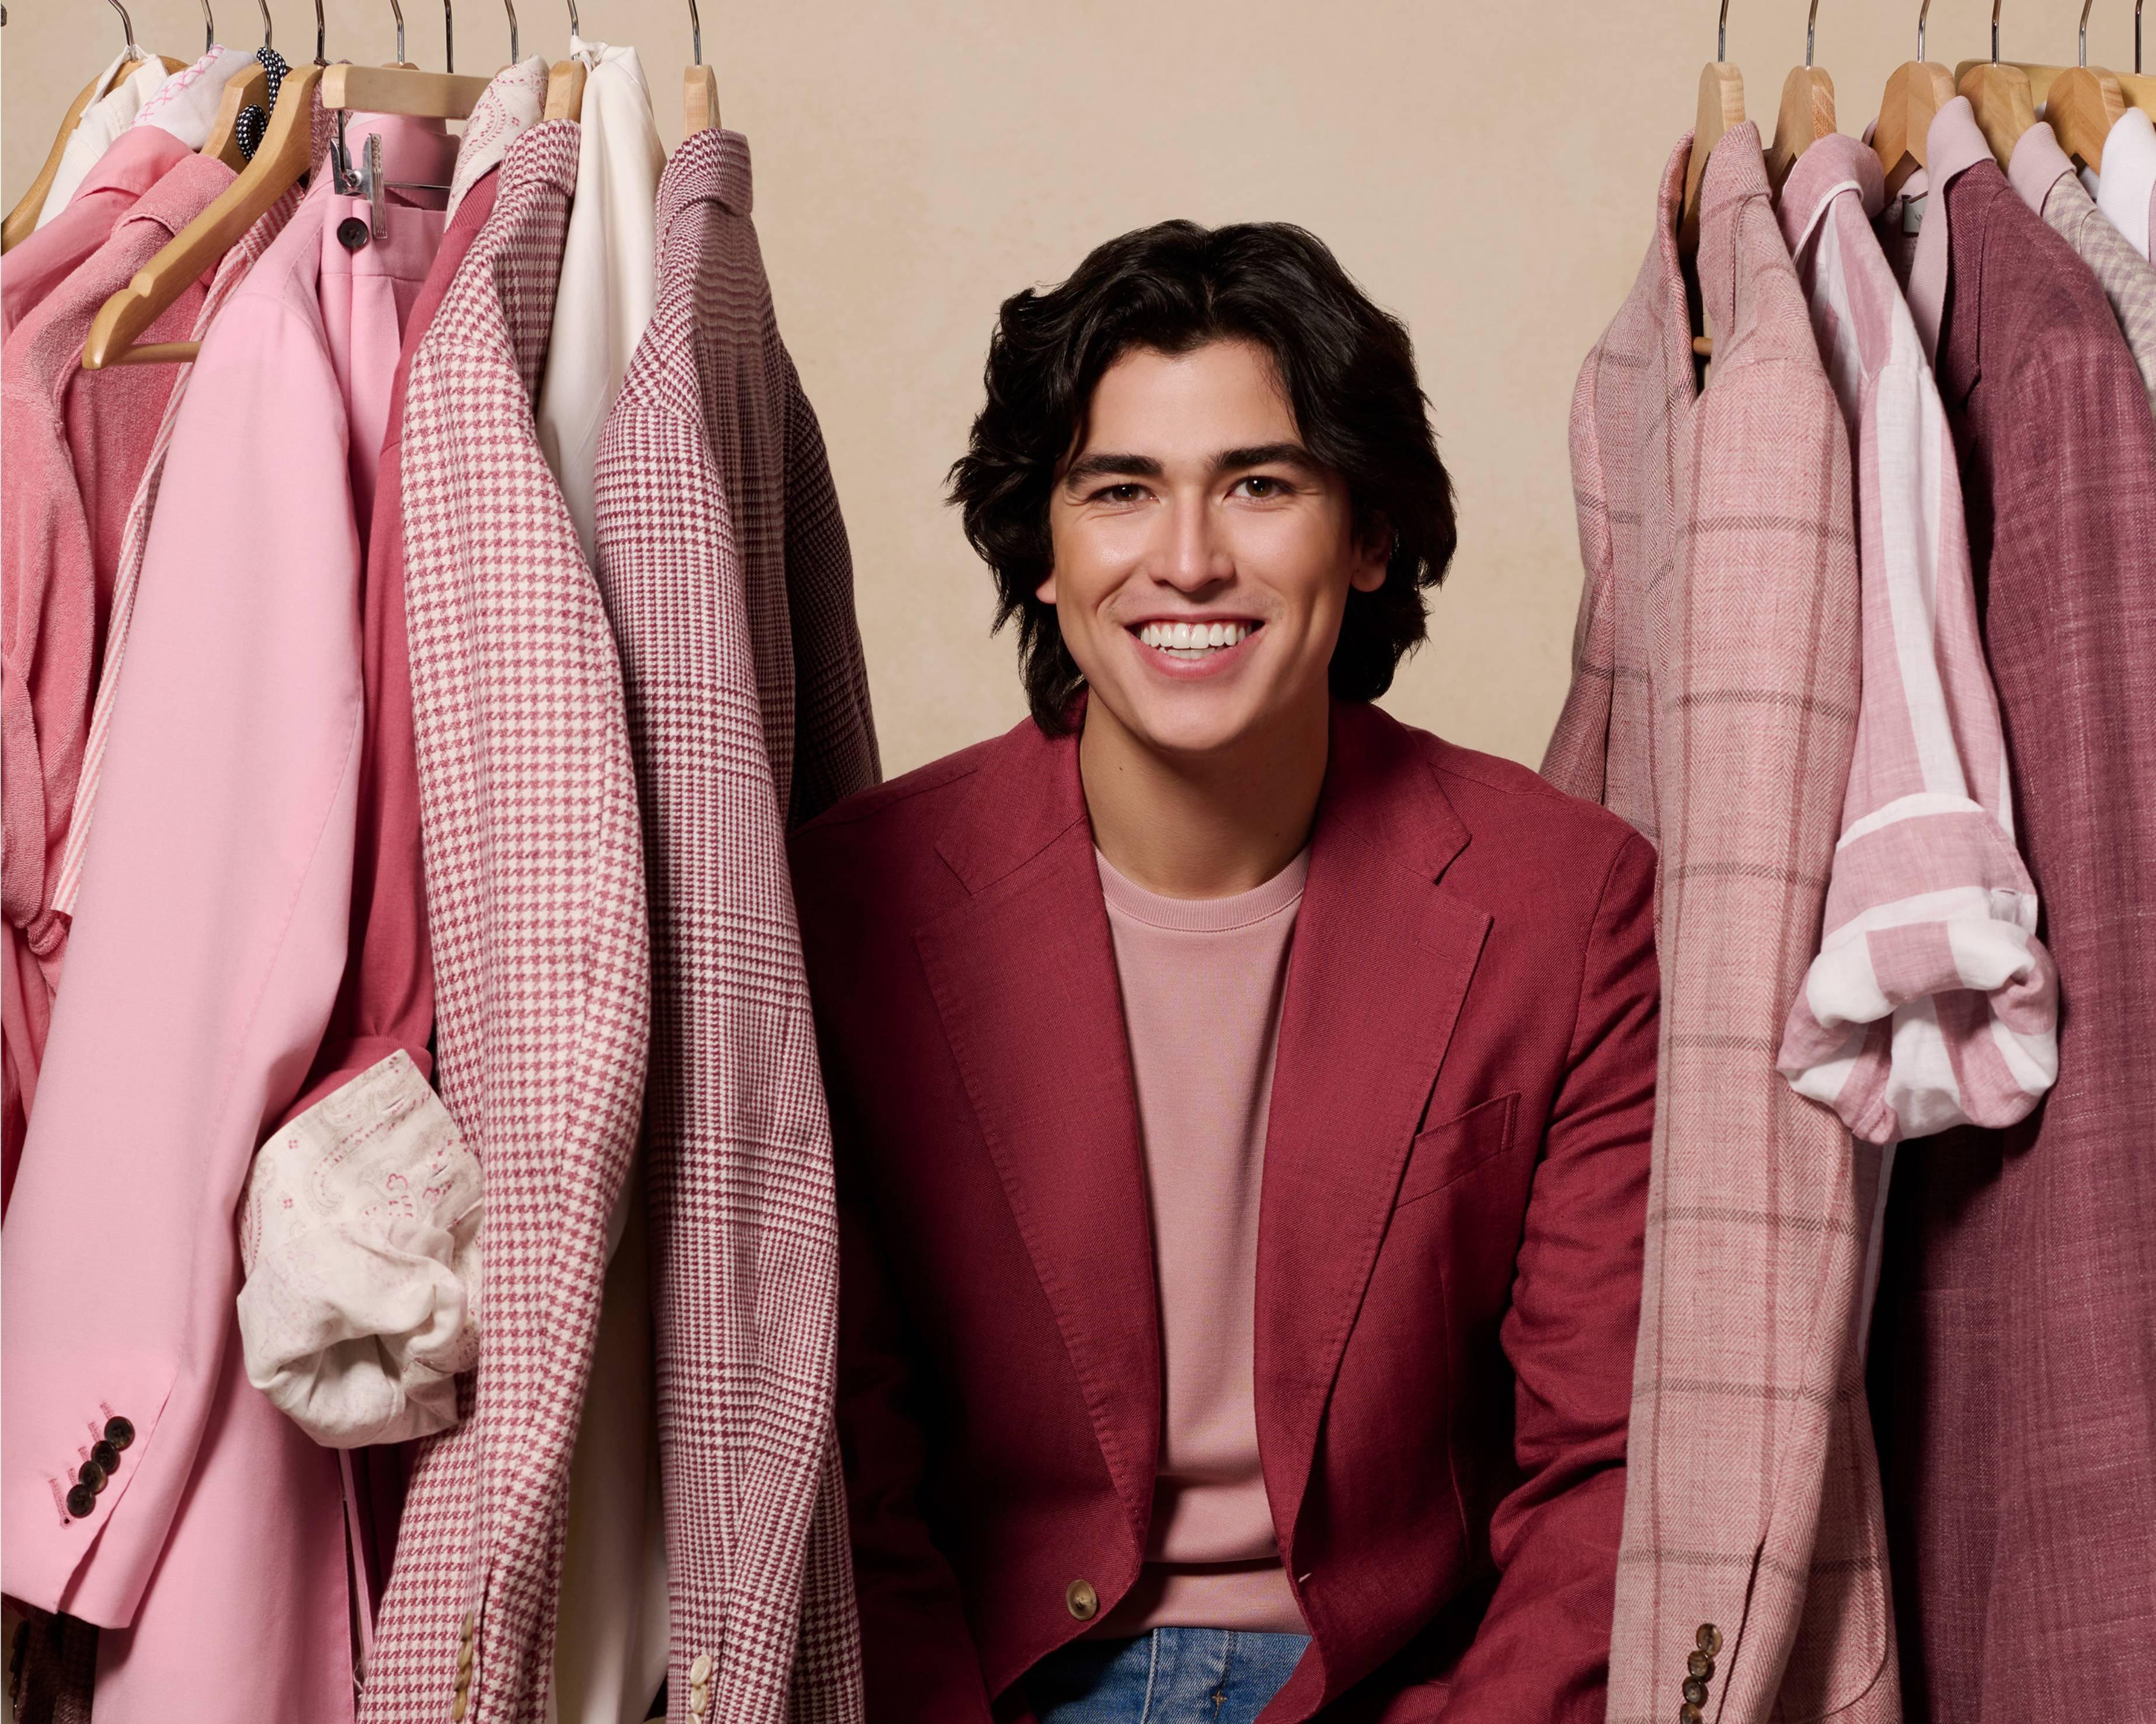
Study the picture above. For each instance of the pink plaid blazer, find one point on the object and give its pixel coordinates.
(724, 565)
(1713, 705)
(535, 912)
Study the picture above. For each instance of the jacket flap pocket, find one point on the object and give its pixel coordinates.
(1449, 1151)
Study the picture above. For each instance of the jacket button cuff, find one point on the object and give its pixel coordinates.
(80, 1501)
(1082, 1602)
(1709, 1640)
(119, 1432)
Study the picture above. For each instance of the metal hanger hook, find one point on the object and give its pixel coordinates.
(322, 37)
(1722, 36)
(2086, 5)
(268, 25)
(449, 38)
(209, 28)
(2137, 37)
(400, 12)
(696, 34)
(1922, 17)
(127, 28)
(1994, 31)
(576, 29)
(1811, 34)
(510, 6)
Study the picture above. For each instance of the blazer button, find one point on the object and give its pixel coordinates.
(1695, 1691)
(1689, 1714)
(119, 1432)
(105, 1455)
(1709, 1640)
(700, 1669)
(91, 1475)
(1700, 1665)
(80, 1501)
(1081, 1600)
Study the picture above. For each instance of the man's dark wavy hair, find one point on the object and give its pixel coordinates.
(1347, 369)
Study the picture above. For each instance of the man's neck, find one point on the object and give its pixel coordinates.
(1202, 826)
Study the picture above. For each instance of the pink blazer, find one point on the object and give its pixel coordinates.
(209, 942)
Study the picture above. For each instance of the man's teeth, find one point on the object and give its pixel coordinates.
(1193, 637)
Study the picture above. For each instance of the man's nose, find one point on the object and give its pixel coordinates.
(1193, 557)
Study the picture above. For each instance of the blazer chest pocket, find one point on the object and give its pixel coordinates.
(1451, 1151)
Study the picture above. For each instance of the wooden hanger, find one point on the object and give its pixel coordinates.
(1806, 114)
(1999, 92)
(1720, 112)
(2135, 89)
(700, 83)
(285, 154)
(21, 220)
(565, 79)
(1917, 90)
(401, 89)
(249, 89)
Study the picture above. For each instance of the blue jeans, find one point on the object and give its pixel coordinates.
(1168, 1676)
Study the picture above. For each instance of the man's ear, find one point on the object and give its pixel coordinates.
(1045, 591)
(1373, 556)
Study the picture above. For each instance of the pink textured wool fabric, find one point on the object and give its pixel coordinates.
(725, 569)
(135, 535)
(1932, 1003)
(78, 442)
(1202, 982)
(2014, 1326)
(1713, 705)
(535, 912)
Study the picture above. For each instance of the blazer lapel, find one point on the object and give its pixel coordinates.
(1023, 976)
(1380, 964)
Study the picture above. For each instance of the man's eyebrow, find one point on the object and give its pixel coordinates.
(1264, 454)
(1100, 466)
(1109, 463)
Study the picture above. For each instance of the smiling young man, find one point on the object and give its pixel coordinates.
(1241, 1100)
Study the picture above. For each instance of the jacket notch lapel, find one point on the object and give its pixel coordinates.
(1379, 968)
(1023, 976)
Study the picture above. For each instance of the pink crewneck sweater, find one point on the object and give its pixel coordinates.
(1202, 983)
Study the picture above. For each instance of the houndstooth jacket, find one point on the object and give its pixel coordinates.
(536, 910)
(1713, 705)
(724, 567)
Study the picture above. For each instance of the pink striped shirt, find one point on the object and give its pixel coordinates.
(1931, 1004)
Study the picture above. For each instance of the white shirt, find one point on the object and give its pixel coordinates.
(2127, 186)
(611, 1646)
(609, 271)
(186, 104)
(111, 113)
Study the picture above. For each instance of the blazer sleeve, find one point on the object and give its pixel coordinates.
(1542, 1648)
(208, 941)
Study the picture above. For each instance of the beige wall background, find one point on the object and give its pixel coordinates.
(1488, 171)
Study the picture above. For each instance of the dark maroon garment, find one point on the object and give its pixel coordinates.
(1449, 1230)
(2013, 1357)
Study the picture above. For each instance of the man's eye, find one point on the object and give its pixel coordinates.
(1118, 494)
(1262, 485)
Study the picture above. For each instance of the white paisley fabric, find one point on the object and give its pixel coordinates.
(511, 105)
(360, 1237)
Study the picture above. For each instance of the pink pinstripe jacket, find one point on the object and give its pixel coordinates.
(1713, 705)
(535, 914)
(725, 568)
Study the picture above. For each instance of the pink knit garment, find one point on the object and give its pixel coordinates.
(1202, 980)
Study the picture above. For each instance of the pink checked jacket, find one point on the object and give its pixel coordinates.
(1713, 704)
(724, 565)
(536, 913)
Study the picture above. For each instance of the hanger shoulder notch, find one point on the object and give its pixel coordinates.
(2005, 107)
(1915, 94)
(285, 154)
(564, 90)
(699, 100)
(1720, 112)
(2084, 104)
(1805, 116)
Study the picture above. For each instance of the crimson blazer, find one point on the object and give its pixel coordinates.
(1449, 1246)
